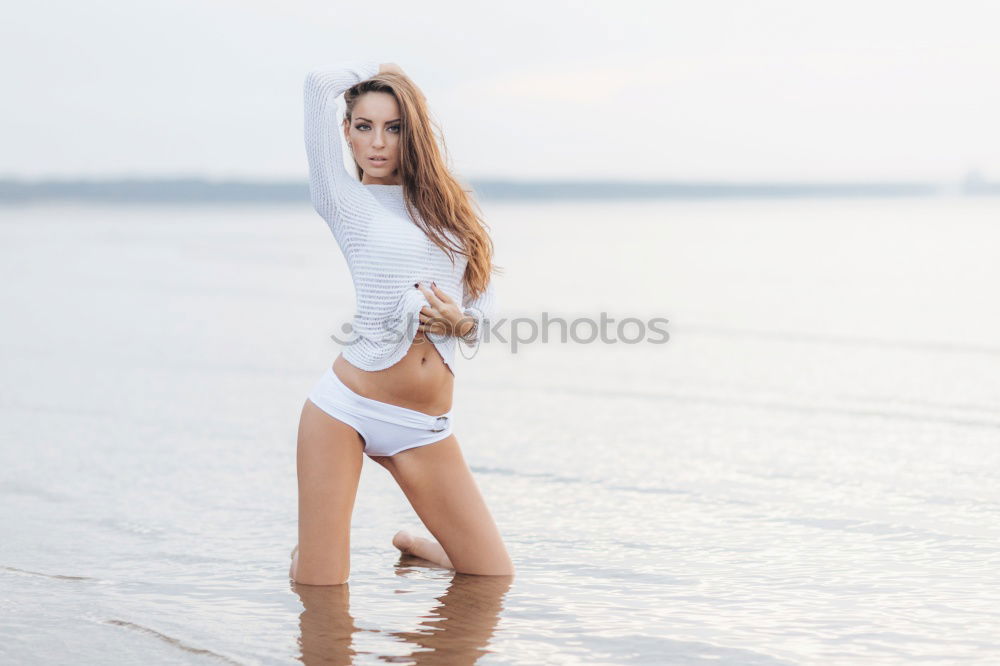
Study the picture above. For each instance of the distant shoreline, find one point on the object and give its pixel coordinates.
(202, 190)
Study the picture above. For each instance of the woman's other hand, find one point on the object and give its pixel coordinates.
(443, 317)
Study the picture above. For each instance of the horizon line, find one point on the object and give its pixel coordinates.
(206, 189)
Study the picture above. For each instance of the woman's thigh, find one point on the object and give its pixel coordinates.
(439, 484)
(328, 459)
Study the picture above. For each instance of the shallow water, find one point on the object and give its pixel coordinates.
(807, 472)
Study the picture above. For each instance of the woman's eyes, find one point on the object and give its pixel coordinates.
(360, 125)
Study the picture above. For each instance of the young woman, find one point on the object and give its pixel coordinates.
(421, 262)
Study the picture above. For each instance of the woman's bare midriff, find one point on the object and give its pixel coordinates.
(421, 380)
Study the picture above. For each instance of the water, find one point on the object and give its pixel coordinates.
(807, 472)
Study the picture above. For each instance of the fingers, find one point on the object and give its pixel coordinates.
(436, 328)
(434, 294)
(440, 293)
(431, 295)
(431, 320)
(434, 325)
(442, 314)
(435, 321)
(390, 68)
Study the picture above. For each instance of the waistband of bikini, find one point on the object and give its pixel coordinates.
(349, 399)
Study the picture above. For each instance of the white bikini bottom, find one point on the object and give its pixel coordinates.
(386, 429)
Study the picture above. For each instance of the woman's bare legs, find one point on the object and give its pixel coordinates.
(441, 489)
(328, 458)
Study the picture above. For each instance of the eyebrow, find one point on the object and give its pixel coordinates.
(369, 120)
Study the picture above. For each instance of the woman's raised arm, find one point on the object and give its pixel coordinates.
(336, 195)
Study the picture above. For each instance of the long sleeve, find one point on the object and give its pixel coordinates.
(336, 195)
(483, 309)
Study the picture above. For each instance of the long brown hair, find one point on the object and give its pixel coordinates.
(441, 202)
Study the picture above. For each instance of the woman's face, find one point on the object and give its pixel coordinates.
(374, 133)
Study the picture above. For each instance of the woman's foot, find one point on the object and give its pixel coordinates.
(403, 540)
(422, 548)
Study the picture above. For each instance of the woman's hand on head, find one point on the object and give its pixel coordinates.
(390, 68)
(393, 68)
(443, 317)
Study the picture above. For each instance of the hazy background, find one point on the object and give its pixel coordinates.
(890, 89)
(806, 473)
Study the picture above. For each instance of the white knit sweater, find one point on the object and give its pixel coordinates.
(385, 250)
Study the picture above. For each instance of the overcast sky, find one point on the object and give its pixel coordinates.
(734, 90)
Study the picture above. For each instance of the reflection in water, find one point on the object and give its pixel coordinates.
(326, 626)
(457, 631)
